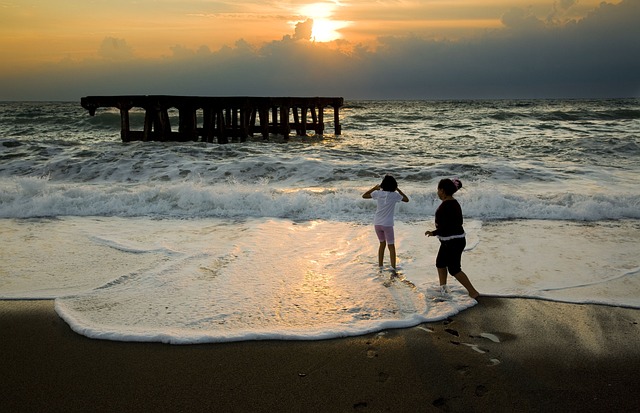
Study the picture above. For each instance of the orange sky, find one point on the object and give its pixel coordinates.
(33, 32)
(63, 49)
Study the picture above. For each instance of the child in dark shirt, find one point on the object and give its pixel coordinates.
(451, 234)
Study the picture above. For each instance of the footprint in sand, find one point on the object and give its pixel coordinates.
(493, 362)
(452, 332)
(495, 339)
(382, 377)
(481, 390)
(474, 347)
(441, 404)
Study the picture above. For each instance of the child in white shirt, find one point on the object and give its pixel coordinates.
(387, 194)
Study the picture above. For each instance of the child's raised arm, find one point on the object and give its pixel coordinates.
(367, 195)
(404, 197)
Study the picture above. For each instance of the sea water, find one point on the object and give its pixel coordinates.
(200, 242)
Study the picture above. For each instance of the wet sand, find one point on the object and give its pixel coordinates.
(504, 355)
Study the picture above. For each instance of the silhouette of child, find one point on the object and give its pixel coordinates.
(451, 234)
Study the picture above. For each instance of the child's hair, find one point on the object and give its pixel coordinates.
(389, 184)
(450, 186)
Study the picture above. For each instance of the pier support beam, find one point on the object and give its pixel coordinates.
(320, 124)
(124, 125)
(188, 123)
(336, 120)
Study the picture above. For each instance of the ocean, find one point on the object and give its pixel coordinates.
(200, 242)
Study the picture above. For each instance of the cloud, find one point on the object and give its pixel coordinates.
(303, 30)
(520, 19)
(115, 49)
(531, 57)
(565, 4)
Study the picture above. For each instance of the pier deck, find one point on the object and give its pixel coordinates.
(221, 117)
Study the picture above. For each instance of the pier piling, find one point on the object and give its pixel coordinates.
(222, 117)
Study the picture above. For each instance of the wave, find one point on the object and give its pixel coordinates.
(498, 110)
(567, 115)
(39, 197)
(56, 160)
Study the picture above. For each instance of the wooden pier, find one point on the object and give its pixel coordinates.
(222, 117)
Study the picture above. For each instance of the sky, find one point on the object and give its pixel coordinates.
(356, 49)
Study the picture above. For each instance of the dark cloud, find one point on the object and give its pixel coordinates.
(598, 56)
(521, 20)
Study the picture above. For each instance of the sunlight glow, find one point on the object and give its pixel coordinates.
(324, 28)
(327, 30)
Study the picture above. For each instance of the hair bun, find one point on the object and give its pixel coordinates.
(457, 183)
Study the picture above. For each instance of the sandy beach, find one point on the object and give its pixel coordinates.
(504, 355)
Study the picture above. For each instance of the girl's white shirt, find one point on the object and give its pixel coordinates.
(386, 206)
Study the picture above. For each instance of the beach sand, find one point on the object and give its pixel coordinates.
(550, 357)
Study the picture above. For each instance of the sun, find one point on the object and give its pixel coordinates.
(324, 28)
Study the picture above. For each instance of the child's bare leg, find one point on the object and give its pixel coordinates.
(464, 280)
(383, 245)
(442, 275)
(392, 255)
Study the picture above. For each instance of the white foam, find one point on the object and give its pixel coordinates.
(260, 279)
(206, 280)
(491, 337)
(28, 197)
